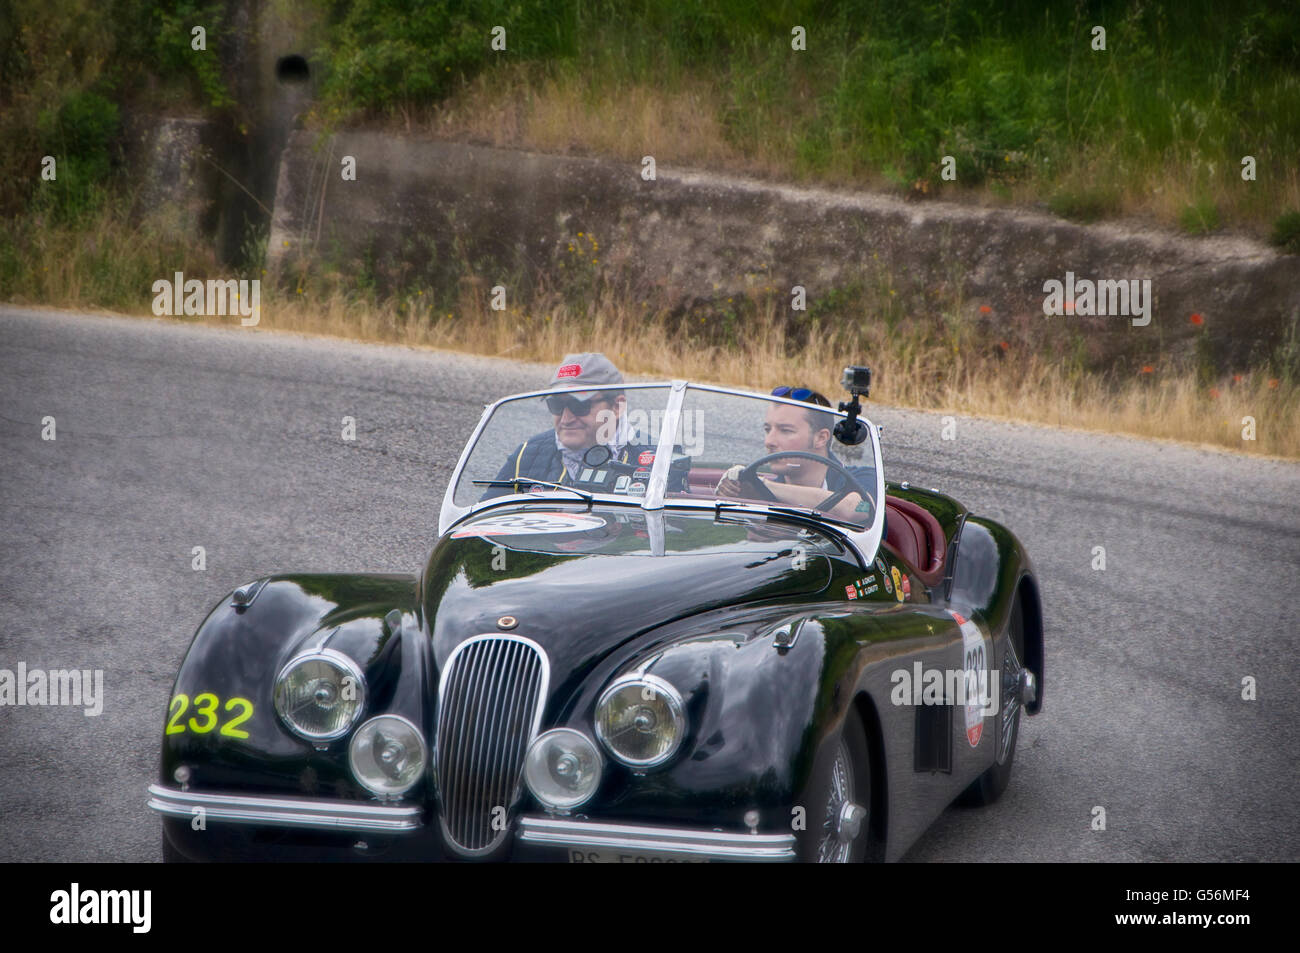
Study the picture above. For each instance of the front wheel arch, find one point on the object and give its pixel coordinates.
(865, 707)
(1032, 607)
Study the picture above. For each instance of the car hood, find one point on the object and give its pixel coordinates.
(589, 581)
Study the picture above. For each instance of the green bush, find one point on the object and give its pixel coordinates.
(1011, 89)
(67, 65)
(1286, 232)
(80, 136)
(389, 54)
(175, 57)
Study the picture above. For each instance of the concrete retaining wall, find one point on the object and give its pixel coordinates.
(418, 207)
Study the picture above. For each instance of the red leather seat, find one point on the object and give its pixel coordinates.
(703, 479)
(913, 533)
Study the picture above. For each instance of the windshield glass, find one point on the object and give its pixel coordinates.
(729, 447)
(779, 452)
(601, 445)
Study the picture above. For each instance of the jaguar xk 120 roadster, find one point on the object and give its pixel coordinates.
(716, 634)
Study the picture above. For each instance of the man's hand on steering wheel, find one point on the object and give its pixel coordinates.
(730, 485)
(746, 481)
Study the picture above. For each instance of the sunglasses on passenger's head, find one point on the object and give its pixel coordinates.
(794, 393)
(580, 408)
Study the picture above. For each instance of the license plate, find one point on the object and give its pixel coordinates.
(577, 856)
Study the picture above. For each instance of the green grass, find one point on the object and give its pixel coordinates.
(1085, 204)
(1199, 218)
(1286, 232)
(1011, 90)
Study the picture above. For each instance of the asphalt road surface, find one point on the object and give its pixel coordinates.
(171, 436)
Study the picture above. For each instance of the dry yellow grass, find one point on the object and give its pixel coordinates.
(569, 113)
(921, 361)
(1023, 387)
(574, 112)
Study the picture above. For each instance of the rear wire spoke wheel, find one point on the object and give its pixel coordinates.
(1009, 712)
(838, 821)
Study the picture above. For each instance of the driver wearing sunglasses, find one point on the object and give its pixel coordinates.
(799, 481)
(583, 419)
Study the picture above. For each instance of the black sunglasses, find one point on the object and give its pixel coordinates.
(794, 393)
(580, 408)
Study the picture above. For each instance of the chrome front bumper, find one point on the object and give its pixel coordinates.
(541, 831)
(534, 830)
(318, 813)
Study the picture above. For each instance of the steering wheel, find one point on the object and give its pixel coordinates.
(757, 487)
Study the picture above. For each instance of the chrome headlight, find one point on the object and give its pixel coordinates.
(320, 695)
(387, 755)
(563, 768)
(641, 720)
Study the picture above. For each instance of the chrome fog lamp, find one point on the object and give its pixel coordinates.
(563, 768)
(387, 755)
(320, 695)
(641, 720)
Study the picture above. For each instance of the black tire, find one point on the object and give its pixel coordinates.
(170, 854)
(988, 787)
(819, 817)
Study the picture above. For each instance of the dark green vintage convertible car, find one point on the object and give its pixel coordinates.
(706, 629)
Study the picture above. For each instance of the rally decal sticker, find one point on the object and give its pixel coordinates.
(976, 652)
(898, 583)
(530, 524)
(884, 575)
(862, 588)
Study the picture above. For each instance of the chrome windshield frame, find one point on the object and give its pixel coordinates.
(657, 485)
(863, 544)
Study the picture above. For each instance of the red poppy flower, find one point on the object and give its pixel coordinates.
(1148, 369)
(1004, 345)
(985, 309)
(1214, 393)
(1272, 383)
(1196, 319)
(1236, 378)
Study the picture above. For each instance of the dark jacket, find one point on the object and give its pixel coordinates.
(540, 459)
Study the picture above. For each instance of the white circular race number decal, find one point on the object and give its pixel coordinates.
(975, 661)
(534, 524)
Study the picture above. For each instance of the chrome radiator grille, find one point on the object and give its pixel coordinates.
(490, 701)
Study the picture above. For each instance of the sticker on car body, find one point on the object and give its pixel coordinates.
(862, 588)
(526, 524)
(976, 652)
